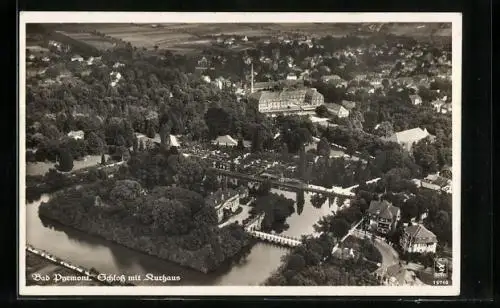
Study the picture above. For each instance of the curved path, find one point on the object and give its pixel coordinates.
(389, 255)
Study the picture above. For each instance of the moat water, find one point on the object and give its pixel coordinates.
(253, 267)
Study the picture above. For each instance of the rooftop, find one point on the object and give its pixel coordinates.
(411, 135)
(225, 140)
(217, 198)
(333, 107)
(383, 209)
(420, 234)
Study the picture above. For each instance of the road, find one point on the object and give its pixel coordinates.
(389, 255)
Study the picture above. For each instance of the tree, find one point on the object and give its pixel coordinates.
(240, 145)
(384, 129)
(151, 131)
(300, 198)
(164, 133)
(95, 144)
(296, 262)
(426, 156)
(265, 188)
(120, 141)
(385, 83)
(258, 139)
(211, 183)
(135, 145)
(65, 160)
(323, 147)
(355, 120)
(339, 227)
(302, 162)
(322, 111)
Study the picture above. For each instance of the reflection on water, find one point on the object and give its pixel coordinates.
(251, 267)
(302, 222)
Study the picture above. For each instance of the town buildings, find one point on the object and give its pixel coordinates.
(418, 239)
(383, 216)
(408, 138)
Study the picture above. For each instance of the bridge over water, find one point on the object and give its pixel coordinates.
(330, 192)
(253, 228)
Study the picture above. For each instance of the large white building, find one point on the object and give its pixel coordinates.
(287, 100)
(408, 138)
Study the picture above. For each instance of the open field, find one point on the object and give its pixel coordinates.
(40, 168)
(100, 43)
(181, 37)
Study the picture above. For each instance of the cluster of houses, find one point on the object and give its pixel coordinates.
(383, 218)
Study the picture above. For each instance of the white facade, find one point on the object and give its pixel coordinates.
(343, 113)
(230, 204)
(76, 134)
(417, 239)
(421, 248)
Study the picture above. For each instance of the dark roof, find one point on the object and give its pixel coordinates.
(437, 180)
(383, 209)
(348, 104)
(220, 196)
(299, 96)
(271, 84)
(419, 234)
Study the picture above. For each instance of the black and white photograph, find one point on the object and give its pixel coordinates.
(239, 153)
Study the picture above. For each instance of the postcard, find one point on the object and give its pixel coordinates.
(183, 154)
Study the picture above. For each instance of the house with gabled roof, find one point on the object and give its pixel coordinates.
(338, 110)
(408, 138)
(349, 105)
(415, 99)
(225, 141)
(418, 239)
(383, 216)
(398, 275)
(436, 182)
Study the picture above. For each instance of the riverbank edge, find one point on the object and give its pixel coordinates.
(201, 270)
(92, 274)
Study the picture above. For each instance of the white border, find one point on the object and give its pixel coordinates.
(145, 17)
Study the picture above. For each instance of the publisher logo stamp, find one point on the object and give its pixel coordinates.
(441, 271)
